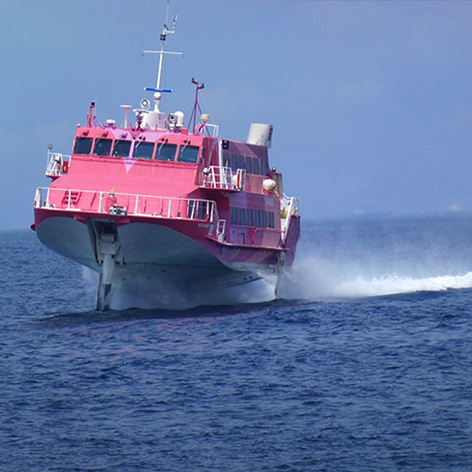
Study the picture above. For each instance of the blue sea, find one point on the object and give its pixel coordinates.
(365, 365)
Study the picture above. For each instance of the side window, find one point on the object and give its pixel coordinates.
(249, 215)
(83, 145)
(226, 161)
(248, 165)
(188, 154)
(256, 218)
(102, 147)
(196, 210)
(234, 162)
(240, 162)
(165, 152)
(264, 167)
(143, 150)
(121, 148)
(241, 216)
(264, 219)
(256, 168)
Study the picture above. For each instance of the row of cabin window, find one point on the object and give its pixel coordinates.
(142, 150)
(249, 217)
(253, 165)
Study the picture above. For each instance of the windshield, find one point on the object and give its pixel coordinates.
(165, 152)
(188, 154)
(83, 145)
(102, 147)
(143, 150)
(121, 148)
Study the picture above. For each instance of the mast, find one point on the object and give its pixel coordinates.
(162, 52)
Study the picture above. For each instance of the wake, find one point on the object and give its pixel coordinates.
(314, 279)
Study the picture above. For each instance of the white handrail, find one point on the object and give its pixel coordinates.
(55, 165)
(125, 204)
(218, 177)
(291, 205)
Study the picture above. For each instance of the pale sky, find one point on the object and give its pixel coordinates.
(371, 101)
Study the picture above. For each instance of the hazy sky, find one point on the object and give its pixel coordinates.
(371, 101)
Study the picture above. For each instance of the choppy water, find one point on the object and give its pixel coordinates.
(365, 366)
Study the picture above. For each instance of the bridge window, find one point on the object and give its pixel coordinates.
(83, 145)
(143, 150)
(121, 148)
(165, 152)
(188, 154)
(102, 147)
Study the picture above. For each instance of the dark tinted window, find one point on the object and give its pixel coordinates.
(249, 217)
(165, 152)
(256, 218)
(196, 210)
(121, 148)
(188, 154)
(143, 150)
(226, 162)
(264, 219)
(83, 145)
(256, 168)
(264, 168)
(241, 216)
(102, 147)
(234, 162)
(249, 165)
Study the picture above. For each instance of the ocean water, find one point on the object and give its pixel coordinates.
(365, 365)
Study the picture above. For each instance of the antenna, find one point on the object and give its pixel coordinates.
(126, 108)
(196, 105)
(91, 116)
(163, 37)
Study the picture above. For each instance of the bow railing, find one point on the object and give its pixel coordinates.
(120, 204)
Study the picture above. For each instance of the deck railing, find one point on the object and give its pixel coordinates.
(289, 206)
(218, 177)
(57, 164)
(121, 204)
(224, 178)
